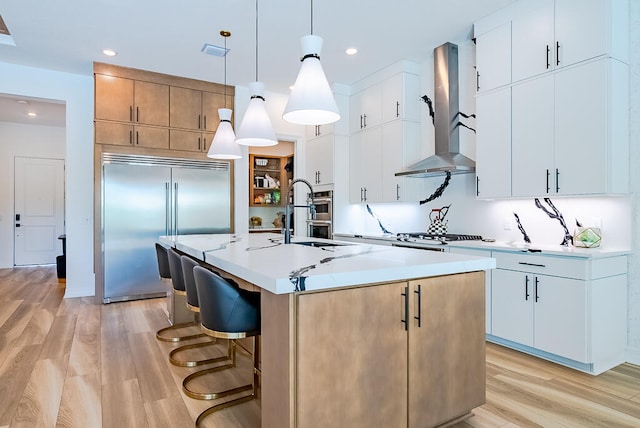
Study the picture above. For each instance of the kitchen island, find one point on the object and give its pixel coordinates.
(359, 335)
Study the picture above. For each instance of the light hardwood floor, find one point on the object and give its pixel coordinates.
(74, 363)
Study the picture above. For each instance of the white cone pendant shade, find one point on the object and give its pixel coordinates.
(311, 101)
(256, 128)
(224, 142)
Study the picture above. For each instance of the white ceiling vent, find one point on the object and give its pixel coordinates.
(5, 36)
(214, 50)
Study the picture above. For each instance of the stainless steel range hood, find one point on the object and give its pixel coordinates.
(447, 157)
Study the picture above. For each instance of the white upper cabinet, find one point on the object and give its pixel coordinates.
(533, 41)
(314, 131)
(365, 166)
(493, 144)
(399, 151)
(552, 34)
(365, 108)
(319, 159)
(493, 53)
(401, 98)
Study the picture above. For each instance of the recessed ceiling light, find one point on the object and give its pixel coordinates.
(351, 51)
(109, 52)
(32, 114)
(23, 102)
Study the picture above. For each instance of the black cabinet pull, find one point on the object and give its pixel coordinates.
(365, 120)
(548, 188)
(526, 287)
(419, 293)
(406, 308)
(557, 180)
(130, 138)
(137, 138)
(477, 186)
(137, 114)
(199, 122)
(318, 177)
(204, 118)
(557, 53)
(199, 147)
(361, 122)
(397, 192)
(361, 194)
(531, 264)
(130, 113)
(477, 81)
(397, 108)
(365, 194)
(536, 290)
(548, 52)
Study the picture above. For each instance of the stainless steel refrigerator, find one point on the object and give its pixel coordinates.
(144, 197)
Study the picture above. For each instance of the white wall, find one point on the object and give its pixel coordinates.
(77, 92)
(634, 137)
(26, 141)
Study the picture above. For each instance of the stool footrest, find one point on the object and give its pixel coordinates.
(160, 333)
(215, 394)
(224, 405)
(194, 363)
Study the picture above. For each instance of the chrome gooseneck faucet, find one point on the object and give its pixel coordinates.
(289, 208)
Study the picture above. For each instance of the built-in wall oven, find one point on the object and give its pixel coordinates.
(322, 225)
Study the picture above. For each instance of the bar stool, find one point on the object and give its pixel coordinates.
(226, 312)
(188, 264)
(177, 279)
(163, 262)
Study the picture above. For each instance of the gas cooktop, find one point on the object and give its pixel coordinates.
(445, 237)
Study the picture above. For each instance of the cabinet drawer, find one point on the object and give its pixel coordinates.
(568, 267)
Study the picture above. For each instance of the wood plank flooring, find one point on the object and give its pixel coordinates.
(74, 363)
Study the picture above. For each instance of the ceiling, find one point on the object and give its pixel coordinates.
(166, 36)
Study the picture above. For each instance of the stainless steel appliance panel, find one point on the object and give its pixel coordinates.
(319, 229)
(202, 201)
(134, 215)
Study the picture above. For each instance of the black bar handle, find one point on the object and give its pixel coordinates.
(397, 192)
(130, 113)
(406, 308)
(137, 138)
(361, 126)
(557, 53)
(365, 194)
(199, 122)
(477, 81)
(419, 293)
(536, 290)
(130, 138)
(477, 186)
(318, 177)
(548, 173)
(531, 264)
(361, 194)
(397, 108)
(205, 121)
(557, 180)
(199, 147)
(365, 120)
(137, 114)
(548, 52)
(526, 287)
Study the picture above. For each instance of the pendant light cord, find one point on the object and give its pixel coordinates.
(256, 40)
(311, 17)
(225, 69)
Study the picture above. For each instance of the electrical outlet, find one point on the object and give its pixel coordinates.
(508, 223)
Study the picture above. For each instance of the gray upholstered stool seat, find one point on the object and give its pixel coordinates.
(192, 304)
(226, 312)
(177, 280)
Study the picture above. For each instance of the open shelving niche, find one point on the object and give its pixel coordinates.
(270, 172)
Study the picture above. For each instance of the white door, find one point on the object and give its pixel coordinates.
(512, 306)
(39, 210)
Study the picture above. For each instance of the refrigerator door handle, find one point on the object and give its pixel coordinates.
(175, 208)
(167, 203)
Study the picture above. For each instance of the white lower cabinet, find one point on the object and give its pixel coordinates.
(566, 309)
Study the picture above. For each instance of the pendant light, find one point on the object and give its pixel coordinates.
(224, 142)
(255, 128)
(311, 101)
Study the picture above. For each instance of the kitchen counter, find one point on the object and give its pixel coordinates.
(359, 335)
(556, 250)
(263, 259)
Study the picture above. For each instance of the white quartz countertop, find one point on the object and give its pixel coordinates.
(264, 260)
(555, 250)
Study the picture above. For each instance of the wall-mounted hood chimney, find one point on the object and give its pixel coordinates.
(447, 133)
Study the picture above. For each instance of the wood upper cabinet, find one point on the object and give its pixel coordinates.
(127, 100)
(193, 109)
(192, 141)
(122, 134)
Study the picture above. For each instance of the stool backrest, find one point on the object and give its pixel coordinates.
(225, 308)
(163, 261)
(175, 266)
(189, 282)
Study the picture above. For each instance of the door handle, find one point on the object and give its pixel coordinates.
(536, 289)
(167, 203)
(17, 217)
(175, 209)
(526, 287)
(419, 293)
(548, 63)
(406, 308)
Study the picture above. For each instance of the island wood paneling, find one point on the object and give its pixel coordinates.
(522, 391)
